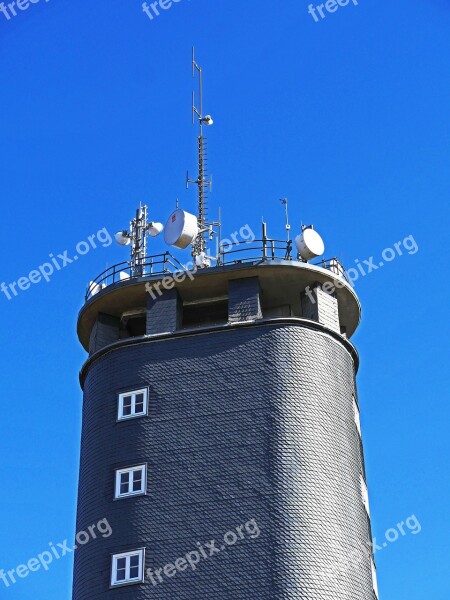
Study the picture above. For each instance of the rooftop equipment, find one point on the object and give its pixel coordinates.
(309, 243)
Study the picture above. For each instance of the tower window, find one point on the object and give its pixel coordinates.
(374, 577)
(201, 314)
(356, 415)
(131, 481)
(365, 495)
(133, 404)
(128, 567)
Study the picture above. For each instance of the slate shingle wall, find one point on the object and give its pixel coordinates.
(322, 307)
(105, 331)
(250, 423)
(164, 312)
(244, 302)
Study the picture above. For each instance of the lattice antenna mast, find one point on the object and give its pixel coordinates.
(136, 238)
(138, 230)
(202, 182)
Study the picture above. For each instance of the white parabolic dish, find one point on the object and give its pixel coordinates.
(181, 229)
(121, 239)
(309, 244)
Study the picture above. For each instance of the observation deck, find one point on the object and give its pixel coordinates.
(288, 288)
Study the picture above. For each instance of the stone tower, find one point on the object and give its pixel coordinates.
(221, 405)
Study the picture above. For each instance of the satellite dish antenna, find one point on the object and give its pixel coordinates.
(202, 260)
(155, 229)
(208, 120)
(95, 288)
(181, 229)
(309, 243)
(123, 238)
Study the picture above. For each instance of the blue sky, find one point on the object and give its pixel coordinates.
(347, 117)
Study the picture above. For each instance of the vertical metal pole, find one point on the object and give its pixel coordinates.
(264, 238)
(288, 227)
(219, 238)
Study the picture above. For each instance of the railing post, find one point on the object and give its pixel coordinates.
(288, 250)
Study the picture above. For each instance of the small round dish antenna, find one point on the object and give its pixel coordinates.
(123, 238)
(154, 228)
(309, 244)
(202, 260)
(181, 229)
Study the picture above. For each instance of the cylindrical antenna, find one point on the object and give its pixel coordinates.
(264, 238)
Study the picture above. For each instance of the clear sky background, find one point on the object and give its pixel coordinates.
(347, 117)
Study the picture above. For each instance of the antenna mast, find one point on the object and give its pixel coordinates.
(284, 201)
(203, 183)
(138, 229)
(136, 237)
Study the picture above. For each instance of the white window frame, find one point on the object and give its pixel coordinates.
(130, 470)
(127, 555)
(365, 495)
(374, 577)
(134, 414)
(356, 414)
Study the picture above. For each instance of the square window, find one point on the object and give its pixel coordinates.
(356, 415)
(365, 495)
(374, 577)
(132, 404)
(131, 481)
(128, 567)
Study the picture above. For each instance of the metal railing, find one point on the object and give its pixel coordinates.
(267, 249)
(333, 265)
(241, 252)
(255, 250)
(158, 264)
